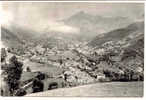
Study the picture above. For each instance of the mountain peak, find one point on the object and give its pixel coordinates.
(81, 12)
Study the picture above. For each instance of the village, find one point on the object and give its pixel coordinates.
(76, 64)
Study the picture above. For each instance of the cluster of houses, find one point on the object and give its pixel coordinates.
(77, 61)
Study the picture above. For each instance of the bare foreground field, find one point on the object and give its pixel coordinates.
(109, 89)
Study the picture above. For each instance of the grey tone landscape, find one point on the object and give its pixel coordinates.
(72, 49)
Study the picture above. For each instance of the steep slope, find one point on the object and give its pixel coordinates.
(9, 39)
(135, 47)
(118, 34)
(25, 34)
(123, 49)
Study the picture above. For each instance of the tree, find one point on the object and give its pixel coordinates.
(20, 92)
(14, 71)
(28, 69)
(38, 85)
(3, 54)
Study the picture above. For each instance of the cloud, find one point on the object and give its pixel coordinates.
(6, 17)
(61, 27)
(36, 16)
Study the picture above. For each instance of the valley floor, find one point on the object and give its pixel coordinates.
(108, 89)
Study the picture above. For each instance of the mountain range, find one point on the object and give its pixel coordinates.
(92, 27)
(130, 31)
(10, 39)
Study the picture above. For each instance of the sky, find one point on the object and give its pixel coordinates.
(38, 16)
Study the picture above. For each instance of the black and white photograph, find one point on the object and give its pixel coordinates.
(72, 49)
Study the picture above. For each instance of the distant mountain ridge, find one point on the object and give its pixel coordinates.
(92, 25)
(118, 34)
(10, 39)
(89, 25)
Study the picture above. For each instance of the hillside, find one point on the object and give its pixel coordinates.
(86, 23)
(9, 39)
(118, 34)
